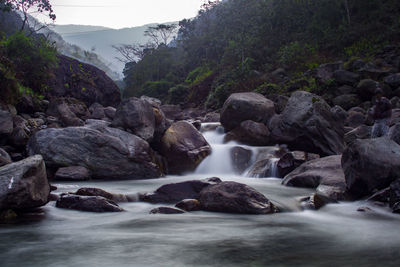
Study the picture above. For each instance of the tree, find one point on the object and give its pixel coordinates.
(162, 33)
(133, 52)
(26, 7)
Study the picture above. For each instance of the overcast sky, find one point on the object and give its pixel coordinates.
(123, 13)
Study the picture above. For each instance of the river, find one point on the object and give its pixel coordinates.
(336, 235)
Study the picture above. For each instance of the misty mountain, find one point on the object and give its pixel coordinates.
(101, 39)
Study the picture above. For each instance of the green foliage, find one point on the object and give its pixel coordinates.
(364, 48)
(177, 94)
(198, 75)
(157, 89)
(268, 89)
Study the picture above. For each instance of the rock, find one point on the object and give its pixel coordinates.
(339, 113)
(241, 159)
(87, 203)
(347, 101)
(382, 196)
(394, 193)
(172, 112)
(325, 71)
(73, 173)
(396, 208)
(6, 122)
(19, 136)
(364, 209)
(346, 89)
(82, 81)
(172, 193)
(241, 107)
(136, 115)
(110, 112)
(393, 80)
(366, 89)
(4, 158)
(212, 117)
(108, 153)
(307, 124)
(394, 133)
(7, 215)
(316, 201)
(24, 184)
(395, 101)
(70, 111)
(280, 103)
(189, 205)
(166, 210)
(97, 112)
(292, 160)
(250, 133)
(264, 168)
(184, 147)
(361, 132)
(370, 164)
(346, 77)
(232, 197)
(355, 119)
(97, 192)
(325, 174)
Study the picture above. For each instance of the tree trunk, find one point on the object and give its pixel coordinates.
(346, 5)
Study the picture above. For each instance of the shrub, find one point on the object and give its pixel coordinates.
(177, 94)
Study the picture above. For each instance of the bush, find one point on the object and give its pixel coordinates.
(177, 94)
(157, 89)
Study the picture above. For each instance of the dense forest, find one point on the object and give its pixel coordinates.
(233, 46)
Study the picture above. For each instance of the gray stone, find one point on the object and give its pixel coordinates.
(87, 203)
(73, 173)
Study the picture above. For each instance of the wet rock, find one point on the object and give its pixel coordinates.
(189, 205)
(371, 164)
(325, 174)
(316, 201)
(172, 193)
(73, 173)
(232, 197)
(292, 160)
(264, 168)
(346, 77)
(4, 158)
(364, 209)
(166, 210)
(250, 133)
(184, 147)
(382, 196)
(212, 117)
(241, 107)
(307, 124)
(24, 184)
(241, 159)
(87, 203)
(108, 153)
(136, 115)
(6, 122)
(87, 191)
(347, 101)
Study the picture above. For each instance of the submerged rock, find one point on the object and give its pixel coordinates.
(316, 201)
(166, 210)
(87, 203)
(232, 197)
(24, 184)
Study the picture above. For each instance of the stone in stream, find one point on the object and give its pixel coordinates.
(249, 133)
(316, 201)
(87, 191)
(291, 160)
(264, 168)
(307, 124)
(172, 193)
(370, 165)
(241, 159)
(189, 205)
(324, 174)
(87, 203)
(184, 147)
(24, 184)
(108, 153)
(232, 197)
(166, 210)
(241, 107)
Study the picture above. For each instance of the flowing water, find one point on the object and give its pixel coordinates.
(336, 235)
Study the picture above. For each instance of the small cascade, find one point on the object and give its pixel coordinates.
(267, 168)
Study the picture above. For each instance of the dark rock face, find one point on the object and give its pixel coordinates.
(347, 101)
(189, 205)
(371, 164)
(184, 147)
(307, 124)
(246, 106)
(346, 77)
(108, 153)
(73, 173)
(325, 174)
(250, 133)
(84, 82)
(6, 122)
(87, 203)
(232, 197)
(97, 192)
(4, 158)
(291, 160)
(172, 193)
(166, 210)
(136, 115)
(241, 159)
(263, 168)
(24, 184)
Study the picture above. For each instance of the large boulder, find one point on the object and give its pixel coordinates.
(250, 133)
(87, 203)
(325, 174)
(82, 81)
(24, 184)
(370, 164)
(307, 124)
(241, 107)
(136, 115)
(108, 153)
(184, 147)
(232, 197)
